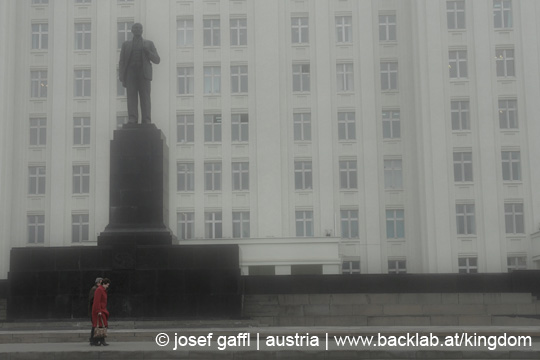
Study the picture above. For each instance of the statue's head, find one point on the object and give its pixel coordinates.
(136, 29)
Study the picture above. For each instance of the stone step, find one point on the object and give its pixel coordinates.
(45, 336)
(403, 298)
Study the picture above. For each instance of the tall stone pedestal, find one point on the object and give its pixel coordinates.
(138, 210)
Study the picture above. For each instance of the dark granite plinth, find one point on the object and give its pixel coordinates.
(517, 281)
(168, 282)
(138, 187)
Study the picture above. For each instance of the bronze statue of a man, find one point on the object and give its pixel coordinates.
(135, 73)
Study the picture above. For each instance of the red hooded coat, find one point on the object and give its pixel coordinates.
(100, 306)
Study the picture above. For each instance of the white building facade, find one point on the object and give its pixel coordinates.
(328, 136)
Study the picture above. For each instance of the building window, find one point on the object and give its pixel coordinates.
(455, 14)
(348, 174)
(344, 29)
(124, 32)
(211, 31)
(505, 62)
(391, 124)
(395, 224)
(238, 32)
(79, 228)
(345, 77)
(516, 263)
(36, 180)
(81, 131)
(502, 14)
(396, 266)
(240, 127)
(40, 36)
(457, 64)
(81, 179)
(212, 79)
(212, 128)
(38, 83)
(303, 175)
(346, 126)
(304, 223)
(508, 114)
(513, 218)
(302, 126)
(460, 115)
(301, 77)
(82, 83)
(38, 132)
(393, 174)
(213, 225)
(185, 176)
(467, 265)
(185, 128)
(121, 120)
(212, 176)
(463, 168)
(241, 224)
(36, 229)
(185, 80)
(239, 79)
(389, 75)
(387, 27)
(240, 176)
(83, 36)
(300, 30)
(350, 267)
(511, 165)
(465, 219)
(186, 225)
(184, 32)
(349, 224)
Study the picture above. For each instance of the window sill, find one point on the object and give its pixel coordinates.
(394, 190)
(396, 241)
(36, 196)
(503, 29)
(239, 47)
(211, 47)
(185, 192)
(39, 51)
(461, 132)
(510, 131)
(185, 96)
(390, 91)
(392, 140)
(388, 42)
(506, 79)
(81, 146)
(512, 182)
(300, 45)
(459, 81)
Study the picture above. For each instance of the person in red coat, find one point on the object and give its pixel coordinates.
(99, 308)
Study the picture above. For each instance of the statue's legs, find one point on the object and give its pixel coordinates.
(133, 80)
(144, 93)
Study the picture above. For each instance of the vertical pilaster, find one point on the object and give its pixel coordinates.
(267, 94)
(60, 90)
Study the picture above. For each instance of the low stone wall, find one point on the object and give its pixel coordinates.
(406, 309)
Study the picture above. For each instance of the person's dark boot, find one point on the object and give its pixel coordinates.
(102, 342)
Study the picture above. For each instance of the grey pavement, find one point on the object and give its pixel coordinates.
(265, 343)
